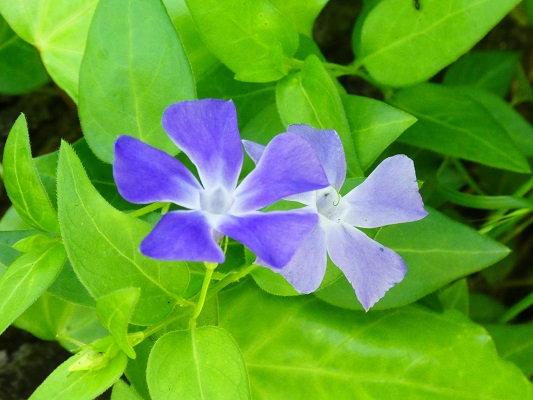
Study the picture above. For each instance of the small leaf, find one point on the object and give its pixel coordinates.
(401, 45)
(300, 13)
(250, 37)
(114, 311)
(455, 123)
(133, 68)
(437, 251)
(80, 385)
(22, 69)
(374, 126)
(514, 343)
(51, 318)
(26, 279)
(38, 243)
(202, 363)
(310, 97)
(91, 226)
(22, 182)
(121, 391)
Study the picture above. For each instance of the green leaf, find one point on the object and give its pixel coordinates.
(374, 126)
(299, 347)
(114, 311)
(51, 318)
(22, 182)
(250, 37)
(310, 97)
(38, 243)
(90, 226)
(401, 46)
(493, 71)
(58, 29)
(437, 251)
(136, 370)
(483, 202)
(133, 68)
(300, 13)
(22, 70)
(201, 363)
(80, 385)
(514, 343)
(455, 123)
(68, 287)
(455, 296)
(121, 391)
(26, 279)
(199, 56)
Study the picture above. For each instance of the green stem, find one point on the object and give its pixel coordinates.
(230, 279)
(522, 305)
(466, 176)
(146, 210)
(203, 292)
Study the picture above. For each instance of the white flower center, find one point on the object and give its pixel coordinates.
(216, 201)
(330, 204)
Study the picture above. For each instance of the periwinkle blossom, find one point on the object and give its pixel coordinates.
(389, 195)
(206, 131)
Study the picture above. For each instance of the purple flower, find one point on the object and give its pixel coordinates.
(388, 196)
(206, 131)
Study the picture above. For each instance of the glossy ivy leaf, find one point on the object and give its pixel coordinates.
(58, 29)
(121, 391)
(514, 343)
(456, 124)
(437, 251)
(401, 45)
(300, 13)
(318, 351)
(199, 56)
(134, 67)
(114, 311)
(90, 226)
(22, 69)
(250, 37)
(489, 70)
(80, 385)
(374, 126)
(68, 287)
(310, 97)
(51, 318)
(201, 363)
(26, 279)
(22, 182)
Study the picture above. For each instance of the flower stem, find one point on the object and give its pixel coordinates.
(146, 210)
(209, 268)
(230, 279)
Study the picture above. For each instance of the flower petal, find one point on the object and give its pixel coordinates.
(388, 196)
(274, 236)
(289, 165)
(207, 132)
(329, 149)
(144, 174)
(371, 268)
(182, 235)
(306, 269)
(254, 150)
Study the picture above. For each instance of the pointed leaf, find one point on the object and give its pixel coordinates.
(26, 279)
(300, 348)
(22, 182)
(90, 226)
(401, 44)
(437, 251)
(310, 97)
(58, 29)
(80, 385)
(134, 66)
(114, 311)
(203, 363)
(452, 122)
(250, 37)
(121, 391)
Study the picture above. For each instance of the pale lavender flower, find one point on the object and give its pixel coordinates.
(206, 131)
(389, 195)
